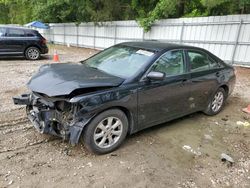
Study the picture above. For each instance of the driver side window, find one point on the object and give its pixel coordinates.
(171, 63)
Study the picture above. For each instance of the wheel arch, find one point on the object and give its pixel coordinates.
(207, 109)
(76, 131)
(226, 89)
(126, 111)
(32, 45)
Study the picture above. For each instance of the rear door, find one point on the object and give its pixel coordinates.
(205, 73)
(2, 40)
(15, 40)
(159, 101)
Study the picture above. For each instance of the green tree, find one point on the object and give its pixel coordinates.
(163, 9)
(146, 12)
(4, 11)
(224, 7)
(54, 11)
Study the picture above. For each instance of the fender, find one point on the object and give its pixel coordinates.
(93, 104)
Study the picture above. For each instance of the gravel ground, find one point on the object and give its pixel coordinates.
(181, 153)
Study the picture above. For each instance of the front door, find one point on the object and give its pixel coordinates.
(159, 101)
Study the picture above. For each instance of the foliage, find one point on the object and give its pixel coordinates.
(163, 9)
(146, 12)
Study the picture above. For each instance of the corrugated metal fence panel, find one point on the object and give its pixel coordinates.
(86, 35)
(58, 34)
(242, 55)
(104, 36)
(70, 31)
(228, 37)
(128, 30)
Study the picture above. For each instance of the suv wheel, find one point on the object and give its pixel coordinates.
(217, 102)
(106, 132)
(32, 53)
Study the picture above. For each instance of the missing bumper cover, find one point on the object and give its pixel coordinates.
(24, 99)
(48, 119)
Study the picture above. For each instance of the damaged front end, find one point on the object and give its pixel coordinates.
(53, 105)
(55, 116)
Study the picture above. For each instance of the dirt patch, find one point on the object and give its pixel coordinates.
(182, 153)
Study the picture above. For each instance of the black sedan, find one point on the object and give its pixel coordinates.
(124, 89)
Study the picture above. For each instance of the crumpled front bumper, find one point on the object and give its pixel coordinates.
(47, 119)
(24, 99)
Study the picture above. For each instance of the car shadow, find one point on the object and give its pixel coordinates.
(15, 58)
(153, 129)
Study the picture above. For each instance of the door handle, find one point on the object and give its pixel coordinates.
(217, 74)
(185, 81)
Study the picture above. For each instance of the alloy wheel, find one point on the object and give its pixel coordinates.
(33, 53)
(217, 101)
(108, 132)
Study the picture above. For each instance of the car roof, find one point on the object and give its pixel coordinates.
(16, 27)
(156, 45)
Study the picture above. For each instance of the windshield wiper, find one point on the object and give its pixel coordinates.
(91, 67)
(94, 68)
(82, 61)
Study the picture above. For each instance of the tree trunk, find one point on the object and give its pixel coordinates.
(181, 8)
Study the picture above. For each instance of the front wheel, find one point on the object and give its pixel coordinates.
(32, 53)
(106, 132)
(217, 102)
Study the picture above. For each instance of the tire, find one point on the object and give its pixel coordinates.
(217, 103)
(106, 132)
(32, 53)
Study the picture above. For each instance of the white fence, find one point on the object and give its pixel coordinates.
(228, 37)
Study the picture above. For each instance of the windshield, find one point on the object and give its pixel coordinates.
(121, 61)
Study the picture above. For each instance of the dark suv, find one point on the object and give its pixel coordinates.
(17, 41)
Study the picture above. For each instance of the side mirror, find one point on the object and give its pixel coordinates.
(156, 76)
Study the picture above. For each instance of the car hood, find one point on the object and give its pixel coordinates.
(64, 78)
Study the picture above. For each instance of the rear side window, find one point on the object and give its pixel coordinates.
(16, 33)
(213, 63)
(2, 32)
(200, 61)
(30, 34)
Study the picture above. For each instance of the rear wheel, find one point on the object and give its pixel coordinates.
(217, 102)
(106, 132)
(32, 53)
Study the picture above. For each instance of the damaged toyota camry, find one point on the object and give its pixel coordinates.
(124, 89)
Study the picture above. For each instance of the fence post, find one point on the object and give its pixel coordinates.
(143, 34)
(64, 34)
(53, 34)
(94, 35)
(49, 34)
(77, 35)
(182, 30)
(115, 34)
(236, 40)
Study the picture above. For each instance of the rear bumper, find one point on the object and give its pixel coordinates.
(44, 50)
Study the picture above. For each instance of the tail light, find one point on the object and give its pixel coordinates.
(43, 41)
